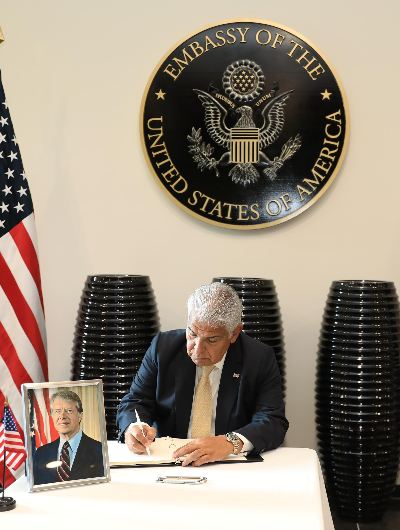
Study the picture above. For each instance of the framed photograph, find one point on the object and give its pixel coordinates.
(65, 434)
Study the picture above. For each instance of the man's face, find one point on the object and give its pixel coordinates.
(207, 345)
(66, 418)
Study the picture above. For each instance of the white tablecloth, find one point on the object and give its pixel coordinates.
(284, 492)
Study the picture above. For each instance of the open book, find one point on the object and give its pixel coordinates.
(160, 454)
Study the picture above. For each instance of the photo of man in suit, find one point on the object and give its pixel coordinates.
(73, 455)
(210, 382)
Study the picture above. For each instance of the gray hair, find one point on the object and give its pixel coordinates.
(67, 395)
(216, 304)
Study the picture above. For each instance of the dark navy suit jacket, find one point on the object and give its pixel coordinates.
(88, 462)
(251, 404)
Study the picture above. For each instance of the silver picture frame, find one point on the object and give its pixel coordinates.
(46, 431)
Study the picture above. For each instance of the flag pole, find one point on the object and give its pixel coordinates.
(4, 458)
(6, 503)
(5, 451)
(4, 476)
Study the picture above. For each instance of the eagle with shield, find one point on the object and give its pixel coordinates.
(245, 141)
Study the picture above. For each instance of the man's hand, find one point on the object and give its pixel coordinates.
(135, 440)
(204, 450)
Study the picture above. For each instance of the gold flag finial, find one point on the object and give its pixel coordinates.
(6, 402)
(1, 36)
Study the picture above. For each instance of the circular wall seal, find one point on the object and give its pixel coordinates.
(244, 124)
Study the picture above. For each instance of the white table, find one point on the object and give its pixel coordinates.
(284, 492)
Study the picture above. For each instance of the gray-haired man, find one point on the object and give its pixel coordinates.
(73, 455)
(210, 382)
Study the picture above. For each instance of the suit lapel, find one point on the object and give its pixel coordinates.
(54, 456)
(185, 375)
(81, 461)
(228, 387)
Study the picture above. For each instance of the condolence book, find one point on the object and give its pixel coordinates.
(160, 454)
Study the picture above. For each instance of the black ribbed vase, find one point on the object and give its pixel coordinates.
(358, 397)
(261, 317)
(117, 320)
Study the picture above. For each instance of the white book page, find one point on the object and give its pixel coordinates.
(160, 451)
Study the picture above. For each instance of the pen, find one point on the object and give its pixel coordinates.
(141, 428)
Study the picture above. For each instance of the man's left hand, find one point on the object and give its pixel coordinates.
(204, 450)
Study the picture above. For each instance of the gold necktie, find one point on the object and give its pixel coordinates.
(202, 406)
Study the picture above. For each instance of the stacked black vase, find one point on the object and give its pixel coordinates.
(358, 397)
(116, 323)
(261, 317)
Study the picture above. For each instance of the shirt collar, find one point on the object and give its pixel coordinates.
(220, 364)
(73, 442)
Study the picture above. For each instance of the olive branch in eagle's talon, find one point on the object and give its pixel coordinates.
(201, 152)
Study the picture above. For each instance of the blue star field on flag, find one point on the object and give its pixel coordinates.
(15, 198)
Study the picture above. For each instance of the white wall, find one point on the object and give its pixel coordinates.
(74, 74)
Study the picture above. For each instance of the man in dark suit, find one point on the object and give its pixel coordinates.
(74, 455)
(243, 410)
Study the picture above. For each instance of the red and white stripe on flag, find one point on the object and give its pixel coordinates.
(22, 327)
(45, 432)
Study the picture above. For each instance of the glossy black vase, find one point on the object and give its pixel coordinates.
(358, 397)
(117, 320)
(261, 317)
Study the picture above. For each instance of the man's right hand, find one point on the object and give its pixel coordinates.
(135, 440)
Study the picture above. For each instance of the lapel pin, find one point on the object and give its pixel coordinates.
(236, 375)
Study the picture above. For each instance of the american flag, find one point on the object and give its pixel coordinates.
(10, 442)
(22, 326)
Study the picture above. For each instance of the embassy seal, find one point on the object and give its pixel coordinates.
(244, 124)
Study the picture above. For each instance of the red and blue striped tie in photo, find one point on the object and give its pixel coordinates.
(65, 469)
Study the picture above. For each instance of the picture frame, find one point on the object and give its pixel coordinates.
(60, 412)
